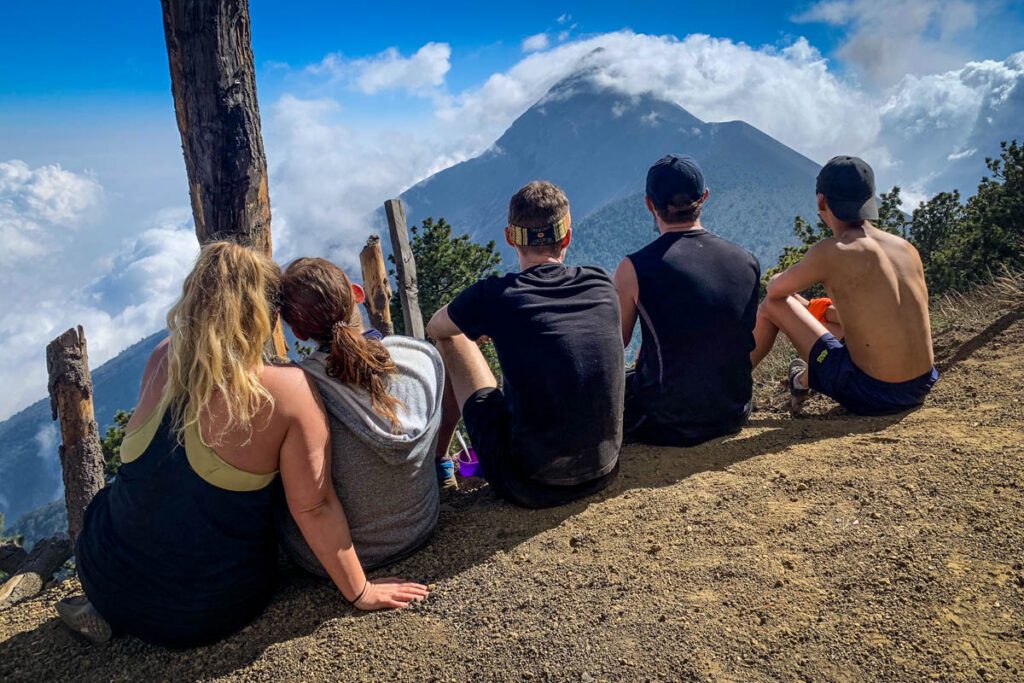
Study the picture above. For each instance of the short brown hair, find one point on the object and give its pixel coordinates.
(537, 204)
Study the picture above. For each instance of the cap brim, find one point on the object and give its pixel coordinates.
(850, 211)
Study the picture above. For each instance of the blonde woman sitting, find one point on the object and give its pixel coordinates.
(180, 548)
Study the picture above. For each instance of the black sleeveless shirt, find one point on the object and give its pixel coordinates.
(180, 548)
(698, 297)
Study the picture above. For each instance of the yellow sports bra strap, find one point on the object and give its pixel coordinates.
(215, 471)
(137, 439)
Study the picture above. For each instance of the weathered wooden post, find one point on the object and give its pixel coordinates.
(375, 282)
(81, 456)
(405, 265)
(213, 80)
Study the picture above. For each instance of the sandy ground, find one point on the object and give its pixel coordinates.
(826, 548)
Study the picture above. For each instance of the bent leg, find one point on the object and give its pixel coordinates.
(765, 332)
(466, 370)
(795, 321)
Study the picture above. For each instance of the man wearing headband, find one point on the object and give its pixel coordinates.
(695, 295)
(876, 285)
(552, 432)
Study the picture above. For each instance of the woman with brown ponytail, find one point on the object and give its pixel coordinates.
(180, 548)
(383, 401)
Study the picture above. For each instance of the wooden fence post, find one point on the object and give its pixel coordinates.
(375, 282)
(81, 456)
(405, 264)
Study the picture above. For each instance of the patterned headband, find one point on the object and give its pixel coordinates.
(546, 234)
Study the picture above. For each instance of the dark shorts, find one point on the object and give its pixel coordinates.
(487, 421)
(831, 372)
(639, 427)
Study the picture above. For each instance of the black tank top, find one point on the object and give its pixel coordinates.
(180, 548)
(698, 297)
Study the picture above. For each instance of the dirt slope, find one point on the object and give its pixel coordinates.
(828, 548)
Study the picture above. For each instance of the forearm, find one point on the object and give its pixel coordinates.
(327, 533)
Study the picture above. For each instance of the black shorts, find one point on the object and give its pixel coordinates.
(639, 427)
(487, 421)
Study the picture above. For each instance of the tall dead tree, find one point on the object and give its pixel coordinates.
(81, 456)
(213, 80)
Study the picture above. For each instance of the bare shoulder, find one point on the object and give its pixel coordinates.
(288, 384)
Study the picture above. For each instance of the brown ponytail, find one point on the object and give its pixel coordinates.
(317, 302)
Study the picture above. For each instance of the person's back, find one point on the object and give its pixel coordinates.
(695, 296)
(552, 433)
(876, 281)
(382, 462)
(868, 345)
(697, 299)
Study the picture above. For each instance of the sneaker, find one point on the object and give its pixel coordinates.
(80, 616)
(797, 396)
(445, 469)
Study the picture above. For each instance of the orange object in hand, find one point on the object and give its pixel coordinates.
(819, 307)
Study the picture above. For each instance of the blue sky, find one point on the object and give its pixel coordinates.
(360, 100)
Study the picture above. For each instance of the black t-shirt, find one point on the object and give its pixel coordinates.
(698, 302)
(557, 333)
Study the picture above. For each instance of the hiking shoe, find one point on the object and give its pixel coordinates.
(797, 396)
(445, 469)
(80, 616)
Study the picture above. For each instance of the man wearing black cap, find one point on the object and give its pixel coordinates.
(883, 362)
(696, 297)
(552, 433)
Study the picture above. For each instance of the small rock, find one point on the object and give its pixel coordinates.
(801, 487)
(586, 678)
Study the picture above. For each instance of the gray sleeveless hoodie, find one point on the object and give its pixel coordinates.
(385, 482)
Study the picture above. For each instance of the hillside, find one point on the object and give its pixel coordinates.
(30, 474)
(825, 548)
(597, 145)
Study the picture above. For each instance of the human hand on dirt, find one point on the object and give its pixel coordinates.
(389, 593)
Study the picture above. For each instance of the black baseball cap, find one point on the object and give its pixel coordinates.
(848, 184)
(674, 177)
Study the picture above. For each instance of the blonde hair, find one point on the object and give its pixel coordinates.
(317, 301)
(218, 331)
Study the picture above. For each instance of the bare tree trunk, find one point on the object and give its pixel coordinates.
(81, 456)
(31, 577)
(405, 264)
(213, 80)
(375, 282)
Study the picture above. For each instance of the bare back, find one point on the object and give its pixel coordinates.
(257, 450)
(877, 284)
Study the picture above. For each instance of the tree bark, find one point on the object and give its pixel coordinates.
(81, 456)
(213, 80)
(375, 282)
(405, 265)
(33, 574)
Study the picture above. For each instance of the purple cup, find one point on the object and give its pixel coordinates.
(468, 462)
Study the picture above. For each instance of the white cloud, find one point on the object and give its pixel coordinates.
(789, 93)
(887, 39)
(37, 205)
(126, 303)
(389, 70)
(564, 18)
(536, 42)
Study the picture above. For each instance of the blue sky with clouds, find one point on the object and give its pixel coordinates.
(359, 101)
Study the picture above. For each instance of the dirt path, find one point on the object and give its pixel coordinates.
(827, 548)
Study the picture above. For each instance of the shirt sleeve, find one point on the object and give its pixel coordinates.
(472, 309)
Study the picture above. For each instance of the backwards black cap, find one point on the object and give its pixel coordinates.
(673, 180)
(848, 184)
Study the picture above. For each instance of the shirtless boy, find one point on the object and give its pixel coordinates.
(877, 360)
